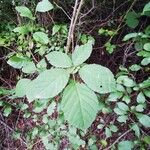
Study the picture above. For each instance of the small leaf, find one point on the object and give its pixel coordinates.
(122, 119)
(55, 29)
(50, 108)
(144, 120)
(145, 61)
(21, 30)
(123, 106)
(131, 19)
(24, 12)
(125, 145)
(146, 139)
(40, 105)
(126, 81)
(21, 87)
(108, 132)
(147, 46)
(113, 128)
(139, 108)
(83, 103)
(135, 67)
(48, 84)
(41, 37)
(130, 36)
(118, 111)
(114, 96)
(100, 79)
(81, 53)
(44, 6)
(59, 59)
(136, 130)
(141, 98)
(7, 111)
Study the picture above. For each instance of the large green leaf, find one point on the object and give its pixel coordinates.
(24, 12)
(48, 84)
(44, 6)
(18, 61)
(41, 37)
(81, 53)
(59, 59)
(146, 10)
(100, 79)
(80, 105)
(21, 87)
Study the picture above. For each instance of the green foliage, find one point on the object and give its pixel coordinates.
(59, 59)
(64, 94)
(83, 109)
(24, 12)
(44, 6)
(132, 19)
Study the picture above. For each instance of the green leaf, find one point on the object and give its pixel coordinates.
(139, 108)
(81, 53)
(146, 10)
(108, 132)
(114, 96)
(125, 145)
(119, 111)
(136, 130)
(144, 120)
(41, 37)
(59, 59)
(21, 30)
(21, 87)
(113, 128)
(135, 67)
(141, 98)
(131, 19)
(122, 119)
(55, 29)
(126, 81)
(145, 61)
(130, 36)
(24, 12)
(48, 84)
(146, 139)
(122, 106)
(7, 111)
(29, 67)
(147, 47)
(18, 62)
(50, 108)
(100, 79)
(80, 105)
(40, 105)
(44, 6)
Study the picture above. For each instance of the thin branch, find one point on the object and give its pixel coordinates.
(116, 141)
(62, 10)
(71, 25)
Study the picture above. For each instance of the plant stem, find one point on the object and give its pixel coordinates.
(74, 18)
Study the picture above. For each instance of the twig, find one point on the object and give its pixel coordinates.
(12, 130)
(71, 25)
(118, 139)
(62, 10)
(74, 19)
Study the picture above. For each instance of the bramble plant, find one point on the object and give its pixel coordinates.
(65, 94)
